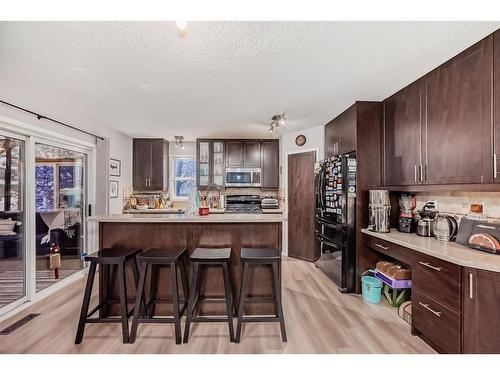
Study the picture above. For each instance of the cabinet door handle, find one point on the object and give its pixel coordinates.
(430, 266)
(495, 166)
(426, 306)
(415, 173)
(382, 247)
(420, 168)
(471, 286)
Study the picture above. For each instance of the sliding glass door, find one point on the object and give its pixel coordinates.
(13, 286)
(60, 201)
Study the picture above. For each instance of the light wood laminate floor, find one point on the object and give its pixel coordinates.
(319, 319)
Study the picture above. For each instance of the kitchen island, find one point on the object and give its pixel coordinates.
(236, 231)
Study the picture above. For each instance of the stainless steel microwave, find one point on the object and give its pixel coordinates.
(243, 177)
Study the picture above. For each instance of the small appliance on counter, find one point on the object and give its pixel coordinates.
(380, 209)
(270, 203)
(425, 225)
(406, 222)
(479, 235)
(445, 227)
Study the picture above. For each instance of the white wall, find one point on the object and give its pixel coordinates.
(120, 147)
(315, 139)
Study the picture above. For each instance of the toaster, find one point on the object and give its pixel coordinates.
(270, 202)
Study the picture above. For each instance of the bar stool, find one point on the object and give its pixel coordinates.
(266, 256)
(107, 259)
(213, 257)
(153, 259)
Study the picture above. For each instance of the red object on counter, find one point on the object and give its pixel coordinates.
(203, 211)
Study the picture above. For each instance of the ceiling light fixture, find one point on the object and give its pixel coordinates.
(181, 28)
(277, 121)
(179, 139)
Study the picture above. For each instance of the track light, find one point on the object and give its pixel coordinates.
(277, 121)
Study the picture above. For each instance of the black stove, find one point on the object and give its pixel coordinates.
(243, 204)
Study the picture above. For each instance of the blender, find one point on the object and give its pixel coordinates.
(407, 203)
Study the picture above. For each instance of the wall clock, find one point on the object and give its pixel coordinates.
(300, 140)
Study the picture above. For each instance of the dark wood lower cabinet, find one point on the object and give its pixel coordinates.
(454, 309)
(481, 311)
(438, 325)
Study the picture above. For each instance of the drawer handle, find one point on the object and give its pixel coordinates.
(430, 266)
(382, 247)
(426, 306)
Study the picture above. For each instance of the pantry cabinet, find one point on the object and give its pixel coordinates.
(481, 306)
(270, 164)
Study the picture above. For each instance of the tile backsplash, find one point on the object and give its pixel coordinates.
(458, 203)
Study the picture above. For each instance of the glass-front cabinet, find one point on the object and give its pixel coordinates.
(211, 162)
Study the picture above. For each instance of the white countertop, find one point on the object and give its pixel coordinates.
(181, 218)
(449, 251)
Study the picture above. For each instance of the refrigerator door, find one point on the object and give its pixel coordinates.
(331, 260)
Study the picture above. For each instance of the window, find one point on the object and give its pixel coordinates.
(183, 177)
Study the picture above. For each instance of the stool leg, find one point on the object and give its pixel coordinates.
(185, 283)
(175, 300)
(277, 281)
(192, 293)
(123, 301)
(138, 302)
(137, 278)
(243, 292)
(86, 301)
(229, 300)
(153, 289)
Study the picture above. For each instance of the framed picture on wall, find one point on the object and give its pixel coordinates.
(115, 167)
(113, 189)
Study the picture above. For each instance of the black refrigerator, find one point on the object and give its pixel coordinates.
(335, 226)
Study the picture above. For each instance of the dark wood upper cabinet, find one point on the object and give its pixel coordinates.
(401, 137)
(234, 154)
(150, 164)
(270, 164)
(496, 108)
(332, 137)
(348, 130)
(251, 155)
(458, 126)
(481, 306)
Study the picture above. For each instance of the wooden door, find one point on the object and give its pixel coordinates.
(332, 137)
(141, 164)
(234, 154)
(301, 206)
(457, 145)
(496, 109)
(481, 306)
(270, 164)
(401, 137)
(251, 157)
(348, 130)
(159, 154)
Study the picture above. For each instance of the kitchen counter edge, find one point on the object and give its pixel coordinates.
(448, 251)
(181, 218)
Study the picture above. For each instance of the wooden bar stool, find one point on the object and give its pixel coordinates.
(153, 259)
(264, 256)
(107, 259)
(212, 257)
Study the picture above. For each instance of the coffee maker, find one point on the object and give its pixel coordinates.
(406, 222)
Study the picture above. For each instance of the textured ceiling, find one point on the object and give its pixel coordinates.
(223, 78)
